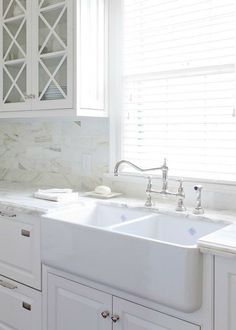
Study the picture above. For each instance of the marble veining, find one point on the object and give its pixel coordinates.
(54, 152)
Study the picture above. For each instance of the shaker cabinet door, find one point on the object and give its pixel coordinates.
(72, 306)
(135, 317)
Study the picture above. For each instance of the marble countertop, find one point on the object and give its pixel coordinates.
(20, 197)
(223, 241)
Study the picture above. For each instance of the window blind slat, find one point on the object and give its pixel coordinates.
(179, 86)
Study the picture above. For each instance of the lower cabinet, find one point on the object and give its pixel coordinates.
(225, 293)
(20, 306)
(72, 306)
(136, 317)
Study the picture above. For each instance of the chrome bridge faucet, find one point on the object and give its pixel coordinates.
(164, 191)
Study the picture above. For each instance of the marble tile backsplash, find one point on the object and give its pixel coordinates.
(53, 152)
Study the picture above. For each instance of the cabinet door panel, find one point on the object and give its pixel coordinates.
(135, 317)
(225, 293)
(20, 306)
(53, 45)
(15, 55)
(72, 306)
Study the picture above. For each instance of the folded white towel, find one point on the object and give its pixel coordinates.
(55, 190)
(55, 196)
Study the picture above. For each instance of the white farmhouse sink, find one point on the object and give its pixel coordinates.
(168, 229)
(98, 215)
(149, 255)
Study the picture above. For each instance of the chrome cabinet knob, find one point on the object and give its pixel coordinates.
(105, 314)
(115, 318)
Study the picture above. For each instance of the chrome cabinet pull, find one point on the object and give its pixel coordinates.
(105, 314)
(8, 215)
(8, 285)
(27, 306)
(115, 318)
(25, 233)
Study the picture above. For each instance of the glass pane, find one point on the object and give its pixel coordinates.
(14, 40)
(52, 93)
(53, 45)
(44, 79)
(61, 28)
(61, 77)
(14, 96)
(46, 3)
(17, 8)
(14, 73)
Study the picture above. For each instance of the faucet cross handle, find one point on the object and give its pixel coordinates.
(149, 202)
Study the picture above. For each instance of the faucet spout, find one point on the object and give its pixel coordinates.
(137, 168)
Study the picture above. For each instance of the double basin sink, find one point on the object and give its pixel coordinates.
(150, 255)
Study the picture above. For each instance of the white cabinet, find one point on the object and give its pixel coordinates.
(73, 306)
(20, 248)
(135, 317)
(20, 306)
(225, 293)
(41, 67)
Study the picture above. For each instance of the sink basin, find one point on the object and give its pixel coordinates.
(97, 215)
(168, 229)
(149, 255)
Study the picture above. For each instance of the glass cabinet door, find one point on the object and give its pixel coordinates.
(15, 75)
(54, 67)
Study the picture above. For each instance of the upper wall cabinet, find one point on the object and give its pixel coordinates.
(53, 55)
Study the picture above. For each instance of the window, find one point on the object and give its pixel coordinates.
(179, 86)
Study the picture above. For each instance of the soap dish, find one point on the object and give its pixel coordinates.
(107, 196)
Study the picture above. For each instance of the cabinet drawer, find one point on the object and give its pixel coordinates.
(20, 306)
(20, 248)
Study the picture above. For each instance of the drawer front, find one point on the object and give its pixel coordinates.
(20, 306)
(20, 248)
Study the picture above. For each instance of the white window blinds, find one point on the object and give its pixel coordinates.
(179, 86)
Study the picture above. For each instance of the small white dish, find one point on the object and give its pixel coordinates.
(107, 196)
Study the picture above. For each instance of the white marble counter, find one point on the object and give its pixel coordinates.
(20, 197)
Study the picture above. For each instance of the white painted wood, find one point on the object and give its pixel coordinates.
(225, 293)
(90, 57)
(73, 306)
(136, 317)
(20, 306)
(20, 257)
(92, 50)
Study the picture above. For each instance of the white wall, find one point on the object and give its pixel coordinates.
(54, 152)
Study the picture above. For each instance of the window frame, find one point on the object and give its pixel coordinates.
(115, 105)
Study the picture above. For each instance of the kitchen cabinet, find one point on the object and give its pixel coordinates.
(20, 306)
(72, 306)
(225, 293)
(53, 55)
(136, 317)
